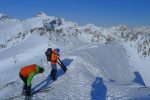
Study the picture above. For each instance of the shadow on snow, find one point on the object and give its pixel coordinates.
(99, 90)
(138, 78)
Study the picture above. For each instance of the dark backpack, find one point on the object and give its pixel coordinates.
(48, 54)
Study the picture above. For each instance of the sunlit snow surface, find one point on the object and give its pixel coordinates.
(96, 71)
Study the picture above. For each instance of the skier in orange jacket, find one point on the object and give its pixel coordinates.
(26, 74)
(54, 60)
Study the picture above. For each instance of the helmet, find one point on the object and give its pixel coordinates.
(41, 70)
(57, 50)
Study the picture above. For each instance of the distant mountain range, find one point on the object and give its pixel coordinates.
(14, 31)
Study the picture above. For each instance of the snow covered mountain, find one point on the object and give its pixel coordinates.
(42, 24)
(103, 62)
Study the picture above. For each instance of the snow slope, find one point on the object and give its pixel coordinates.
(95, 72)
(103, 63)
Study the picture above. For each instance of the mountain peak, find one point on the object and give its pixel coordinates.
(90, 25)
(41, 14)
(3, 16)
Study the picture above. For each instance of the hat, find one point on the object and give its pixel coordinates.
(41, 70)
(57, 50)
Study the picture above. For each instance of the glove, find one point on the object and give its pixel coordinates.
(28, 91)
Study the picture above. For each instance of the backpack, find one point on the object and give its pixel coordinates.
(48, 54)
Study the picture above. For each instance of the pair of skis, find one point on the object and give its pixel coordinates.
(30, 97)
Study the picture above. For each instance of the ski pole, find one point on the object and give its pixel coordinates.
(64, 69)
(62, 65)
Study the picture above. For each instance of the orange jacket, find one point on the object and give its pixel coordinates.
(54, 57)
(25, 71)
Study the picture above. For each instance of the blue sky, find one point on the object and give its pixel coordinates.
(99, 12)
